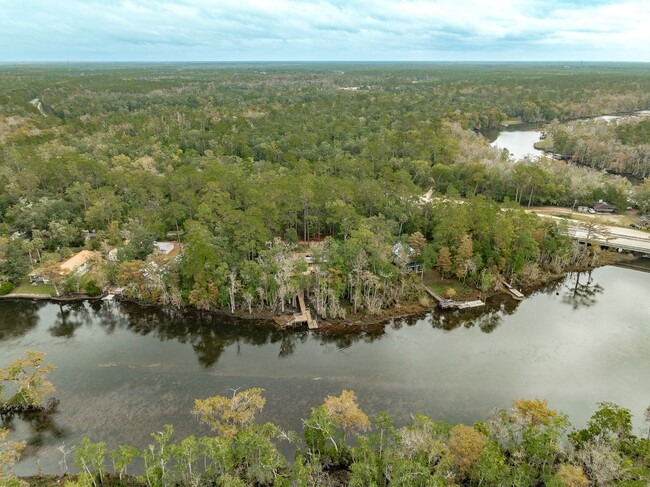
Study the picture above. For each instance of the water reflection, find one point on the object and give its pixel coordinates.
(210, 335)
(487, 318)
(579, 293)
(42, 426)
(22, 316)
(70, 317)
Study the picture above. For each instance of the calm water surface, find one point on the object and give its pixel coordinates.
(124, 371)
(519, 143)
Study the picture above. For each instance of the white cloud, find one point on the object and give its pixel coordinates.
(321, 29)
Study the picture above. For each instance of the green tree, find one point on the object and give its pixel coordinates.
(14, 264)
(63, 234)
(140, 246)
(89, 457)
(121, 457)
(157, 457)
(611, 424)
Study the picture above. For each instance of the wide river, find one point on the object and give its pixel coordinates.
(123, 371)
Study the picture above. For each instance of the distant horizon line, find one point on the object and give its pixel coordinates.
(359, 61)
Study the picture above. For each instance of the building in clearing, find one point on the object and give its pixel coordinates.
(78, 263)
(604, 207)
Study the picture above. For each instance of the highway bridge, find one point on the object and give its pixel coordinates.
(607, 236)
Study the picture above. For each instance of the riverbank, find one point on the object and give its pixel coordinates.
(55, 299)
(120, 364)
(416, 307)
(546, 147)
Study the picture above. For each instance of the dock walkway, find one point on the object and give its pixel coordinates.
(445, 303)
(304, 316)
(515, 293)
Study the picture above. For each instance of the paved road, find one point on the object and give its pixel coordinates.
(619, 237)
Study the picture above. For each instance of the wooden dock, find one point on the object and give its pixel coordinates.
(512, 291)
(304, 316)
(445, 303)
(468, 304)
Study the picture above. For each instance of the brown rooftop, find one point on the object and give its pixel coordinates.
(77, 260)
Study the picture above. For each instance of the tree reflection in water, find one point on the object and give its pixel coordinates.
(487, 318)
(18, 317)
(581, 294)
(210, 335)
(42, 426)
(70, 317)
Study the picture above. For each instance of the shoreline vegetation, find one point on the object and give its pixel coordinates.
(528, 443)
(274, 318)
(601, 144)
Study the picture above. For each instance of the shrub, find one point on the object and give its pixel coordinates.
(92, 289)
(6, 288)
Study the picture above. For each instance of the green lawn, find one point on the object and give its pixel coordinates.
(439, 285)
(26, 288)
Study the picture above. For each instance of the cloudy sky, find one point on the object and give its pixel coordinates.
(321, 30)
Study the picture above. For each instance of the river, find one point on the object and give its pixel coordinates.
(519, 139)
(123, 371)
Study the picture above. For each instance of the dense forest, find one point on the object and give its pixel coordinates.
(527, 444)
(619, 146)
(252, 167)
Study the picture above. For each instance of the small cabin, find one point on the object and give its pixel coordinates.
(604, 207)
(405, 255)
